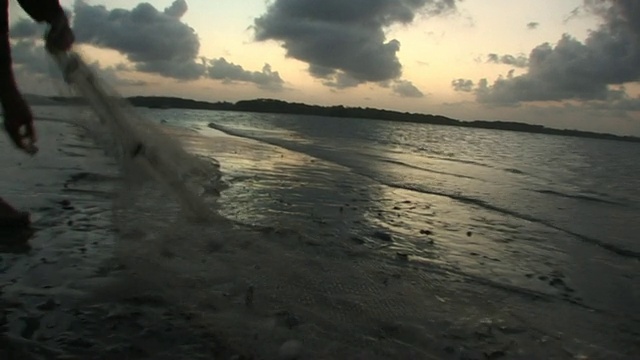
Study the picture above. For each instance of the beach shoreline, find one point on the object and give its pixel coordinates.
(95, 286)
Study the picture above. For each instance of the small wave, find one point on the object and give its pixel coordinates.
(54, 119)
(401, 163)
(481, 203)
(515, 171)
(460, 161)
(236, 132)
(578, 197)
(465, 199)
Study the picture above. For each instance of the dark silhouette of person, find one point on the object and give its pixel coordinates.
(18, 119)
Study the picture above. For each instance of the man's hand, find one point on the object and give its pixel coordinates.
(18, 122)
(60, 37)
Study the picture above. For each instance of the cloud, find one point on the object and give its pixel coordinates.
(221, 69)
(154, 41)
(462, 85)
(573, 14)
(574, 70)
(532, 25)
(26, 29)
(519, 61)
(618, 101)
(188, 70)
(177, 9)
(30, 56)
(406, 89)
(341, 81)
(626, 105)
(343, 42)
(112, 75)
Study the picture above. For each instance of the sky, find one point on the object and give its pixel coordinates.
(564, 64)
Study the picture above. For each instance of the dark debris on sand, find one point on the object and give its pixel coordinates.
(48, 274)
(130, 329)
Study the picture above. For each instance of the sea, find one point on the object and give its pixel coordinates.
(554, 220)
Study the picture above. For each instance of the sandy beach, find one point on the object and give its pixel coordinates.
(63, 295)
(112, 273)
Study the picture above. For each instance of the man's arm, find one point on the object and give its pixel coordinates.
(17, 115)
(43, 10)
(18, 120)
(48, 11)
(7, 83)
(59, 37)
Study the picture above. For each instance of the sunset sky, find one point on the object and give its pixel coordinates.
(566, 64)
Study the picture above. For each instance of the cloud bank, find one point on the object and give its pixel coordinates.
(344, 42)
(519, 61)
(26, 29)
(574, 70)
(154, 41)
(221, 69)
(406, 89)
(533, 25)
(462, 85)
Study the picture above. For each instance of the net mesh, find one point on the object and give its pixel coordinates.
(141, 146)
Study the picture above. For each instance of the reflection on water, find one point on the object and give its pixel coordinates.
(506, 207)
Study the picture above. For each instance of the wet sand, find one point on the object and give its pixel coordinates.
(63, 295)
(136, 281)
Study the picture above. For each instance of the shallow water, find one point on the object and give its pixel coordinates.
(518, 231)
(534, 205)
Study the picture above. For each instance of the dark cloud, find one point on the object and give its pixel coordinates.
(26, 29)
(618, 100)
(625, 105)
(31, 57)
(462, 85)
(575, 13)
(112, 75)
(533, 25)
(341, 81)
(177, 9)
(188, 70)
(519, 61)
(155, 41)
(405, 88)
(578, 70)
(221, 69)
(343, 42)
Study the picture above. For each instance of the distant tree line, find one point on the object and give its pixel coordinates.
(283, 107)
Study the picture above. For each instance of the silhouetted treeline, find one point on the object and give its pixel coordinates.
(283, 107)
(67, 100)
(163, 102)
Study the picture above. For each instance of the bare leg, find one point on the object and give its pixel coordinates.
(10, 217)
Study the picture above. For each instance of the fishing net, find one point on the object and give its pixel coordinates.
(142, 147)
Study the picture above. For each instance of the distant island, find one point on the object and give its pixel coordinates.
(282, 107)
